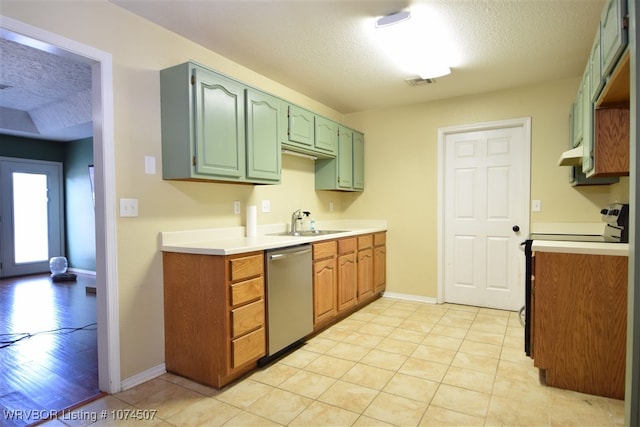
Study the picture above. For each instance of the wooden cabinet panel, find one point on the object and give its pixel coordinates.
(365, 274)
(611, 146)
(245, 267)
(347, 281)
(380, 239)
(247, 291)
(365, 241)
(580, 321)
(248, 348)
(247, 318)
(325, 277)
(324, 249)
(347, 245)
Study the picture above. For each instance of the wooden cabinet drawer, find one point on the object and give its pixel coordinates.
(245, 267)
(365, 241)
(324, 249)
(247, 348)
(247, 318)
(379, 239)
(249, 290)
(347, 245)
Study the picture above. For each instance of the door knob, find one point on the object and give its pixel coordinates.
(515, 228)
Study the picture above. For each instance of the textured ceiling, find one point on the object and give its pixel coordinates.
(320, 48)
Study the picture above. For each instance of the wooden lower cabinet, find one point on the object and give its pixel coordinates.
(579, 321)
(379, 262)
(214, 311)
(325, 281)
(365, 267)
(347, 273)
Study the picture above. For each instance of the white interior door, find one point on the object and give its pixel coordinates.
(486, 194)
(31, 216)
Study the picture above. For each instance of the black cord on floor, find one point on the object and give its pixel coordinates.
(7, 340)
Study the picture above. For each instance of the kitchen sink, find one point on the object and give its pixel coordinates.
(309, 233)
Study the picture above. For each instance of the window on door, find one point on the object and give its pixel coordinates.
(31, 226)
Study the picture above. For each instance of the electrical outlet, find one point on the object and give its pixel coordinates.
(536, 205)
(236, 207)
(330, 206)
(266, 206)
(128, 207)
(150, 165)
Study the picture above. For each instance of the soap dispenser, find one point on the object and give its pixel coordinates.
(306, 220)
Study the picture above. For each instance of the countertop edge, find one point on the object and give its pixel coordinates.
(585, 248)
(237, 244)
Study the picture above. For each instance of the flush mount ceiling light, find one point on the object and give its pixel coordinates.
(420, 45)
(394, 18)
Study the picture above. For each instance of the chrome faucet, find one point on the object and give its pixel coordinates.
(295, 217)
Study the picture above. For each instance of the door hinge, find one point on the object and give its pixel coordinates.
(193, 79)
(625, 22)
(194, 160)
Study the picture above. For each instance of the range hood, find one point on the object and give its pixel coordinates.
(571, 157)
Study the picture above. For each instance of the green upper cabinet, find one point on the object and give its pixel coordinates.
(264, 129)
(596, 80)
(358, 161)
(587, 124)
(326, 139)
(212, 129)
(613, 33)
(346, 171)
(300, 127)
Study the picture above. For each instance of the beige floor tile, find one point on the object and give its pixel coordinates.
(349, 396)
(143, 391)
(396, 410)
(471, 380)
(362, 315)
(82, 416)
(336, 333)
(480, 349)
(449, 331)
(396, 346)
(280, 406)
(408, 335)
(424, 369)
(462, 400)
(441, 341)
(426, 316)
(364, 421)
(248, 419)
(348, 351)
(191, 385)
(365, 340)
(383, 319)
(399, 312)
(319, 344)
(488, 327)
(462, 314)
(322, 414)
(616, 409)
(376, 329)
(455, 322)
(521, 390)
(438, 417)
(307, 384)
(244, 393)
(485, 337)
(170, 400)
(477, 363)
(299, 358)
(417, 325)
(368, 376)
(507, 411)
(568, 408)
(384, 359)
(514, 341)
(274, 374)
(411, 387)
(351, 324)
(330, 366)
(524, 372)
(494, 312)
(514, 354)
(205, 412)
(406, 305)
(434, 354)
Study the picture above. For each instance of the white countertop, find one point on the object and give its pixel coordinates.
(588, 248)
(232, 240)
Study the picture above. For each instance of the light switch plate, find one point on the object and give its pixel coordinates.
(150, 165)
(128, 207)
(266, 206)
(536, 205)
(236, 207)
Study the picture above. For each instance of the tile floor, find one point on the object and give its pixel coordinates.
(392, 363)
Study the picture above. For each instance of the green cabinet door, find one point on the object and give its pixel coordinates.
(301, 127)
(358, 161)
(345, 158)
(587, 126)
(219, 125)
(613, 34)
(595, 69)
(264, 116)
(326, 135)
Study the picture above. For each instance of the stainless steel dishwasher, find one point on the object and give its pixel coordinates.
(289, 297)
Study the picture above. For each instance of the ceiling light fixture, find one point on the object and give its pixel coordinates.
(392, 19)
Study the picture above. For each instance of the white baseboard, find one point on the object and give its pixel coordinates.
(408, 297)
(143, 376)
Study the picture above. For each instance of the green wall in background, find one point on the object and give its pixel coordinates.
(76, 156)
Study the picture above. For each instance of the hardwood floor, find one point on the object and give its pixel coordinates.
(46, 363)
